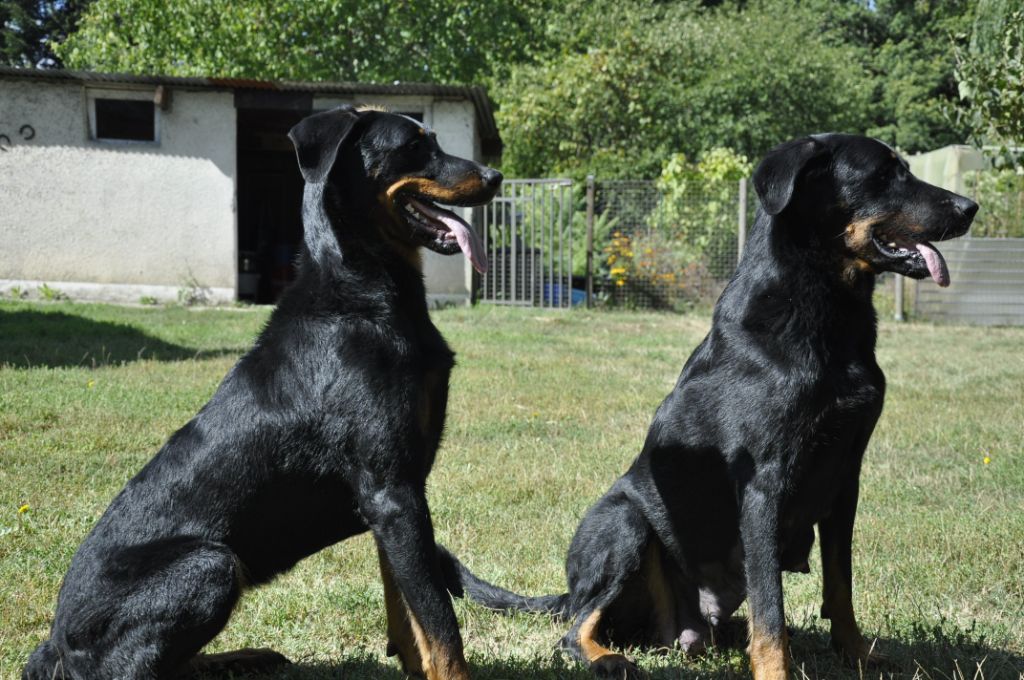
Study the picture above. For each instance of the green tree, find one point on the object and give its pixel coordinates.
(30, 28)
(607, 104)
(368, 40)
(640, 81)
(990, 71)
(914, 65)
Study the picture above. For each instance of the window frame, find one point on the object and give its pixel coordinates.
(147, 95)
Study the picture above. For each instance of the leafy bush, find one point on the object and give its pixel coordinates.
(685, 246)
(1000, 193)
(698, 210)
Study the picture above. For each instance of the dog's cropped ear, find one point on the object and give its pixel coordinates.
(317, 139)
(775, 177)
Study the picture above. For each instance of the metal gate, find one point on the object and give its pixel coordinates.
(527, 232)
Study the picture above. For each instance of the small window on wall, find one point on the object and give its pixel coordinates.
(132, 120)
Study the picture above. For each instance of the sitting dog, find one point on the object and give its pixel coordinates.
(336, 413)
(763, 435)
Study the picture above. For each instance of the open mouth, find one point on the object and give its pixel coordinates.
(442, 230)
(916, 258)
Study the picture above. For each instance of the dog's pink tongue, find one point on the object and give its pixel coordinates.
(936, 263)
(471, 245)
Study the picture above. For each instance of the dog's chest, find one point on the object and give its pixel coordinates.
(836, 437)
(434, 363)
(431, 402)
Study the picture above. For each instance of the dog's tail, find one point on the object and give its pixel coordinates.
(44, 664)
(461, 582)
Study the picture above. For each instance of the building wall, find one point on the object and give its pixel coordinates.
(91, 216)
(450, 277)
(78, 210)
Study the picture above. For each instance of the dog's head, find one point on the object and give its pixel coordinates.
(391, 168)
(860, 199)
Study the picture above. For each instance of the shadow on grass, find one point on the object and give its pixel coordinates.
(55, 339)
(923, 654)
(926, 655)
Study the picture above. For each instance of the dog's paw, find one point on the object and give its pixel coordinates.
(616, 667)
(242, 661)
(693, 642)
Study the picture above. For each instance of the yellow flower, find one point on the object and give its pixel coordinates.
(91, 384)
(23, 509)
(986, 460)
(620, 282)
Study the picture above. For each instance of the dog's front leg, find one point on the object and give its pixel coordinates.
(837, 579)
(769, 644)
(422, 627)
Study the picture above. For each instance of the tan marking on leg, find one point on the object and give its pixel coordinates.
(439, 663)
(401, 640)
(592, 649)
(662, 597)
(420, 656)
(603, 661)
(769, 655)
(838, 603)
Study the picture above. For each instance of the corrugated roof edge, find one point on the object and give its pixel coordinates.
(490, 138)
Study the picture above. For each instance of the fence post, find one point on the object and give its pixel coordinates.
(741, 231)
(898, 283)
(590, 241)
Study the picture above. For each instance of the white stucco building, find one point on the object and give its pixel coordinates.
(119, 187)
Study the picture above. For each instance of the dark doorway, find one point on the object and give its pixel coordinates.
(269, 203)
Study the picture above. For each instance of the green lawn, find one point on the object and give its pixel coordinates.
(546, 410)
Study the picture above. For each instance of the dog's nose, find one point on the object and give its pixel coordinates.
(492, 177)
(966, 206)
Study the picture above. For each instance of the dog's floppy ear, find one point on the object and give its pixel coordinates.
(775, 177)
(317, 139)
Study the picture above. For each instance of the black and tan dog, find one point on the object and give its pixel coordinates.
(336, 415)
(763, 435)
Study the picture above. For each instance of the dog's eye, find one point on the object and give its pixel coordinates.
(413, 144)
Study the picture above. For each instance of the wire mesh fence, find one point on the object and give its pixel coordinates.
(665, 250)
(651, 248)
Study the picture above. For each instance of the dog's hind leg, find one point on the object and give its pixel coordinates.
(144, 611)
(606, 558)
(582, 642)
